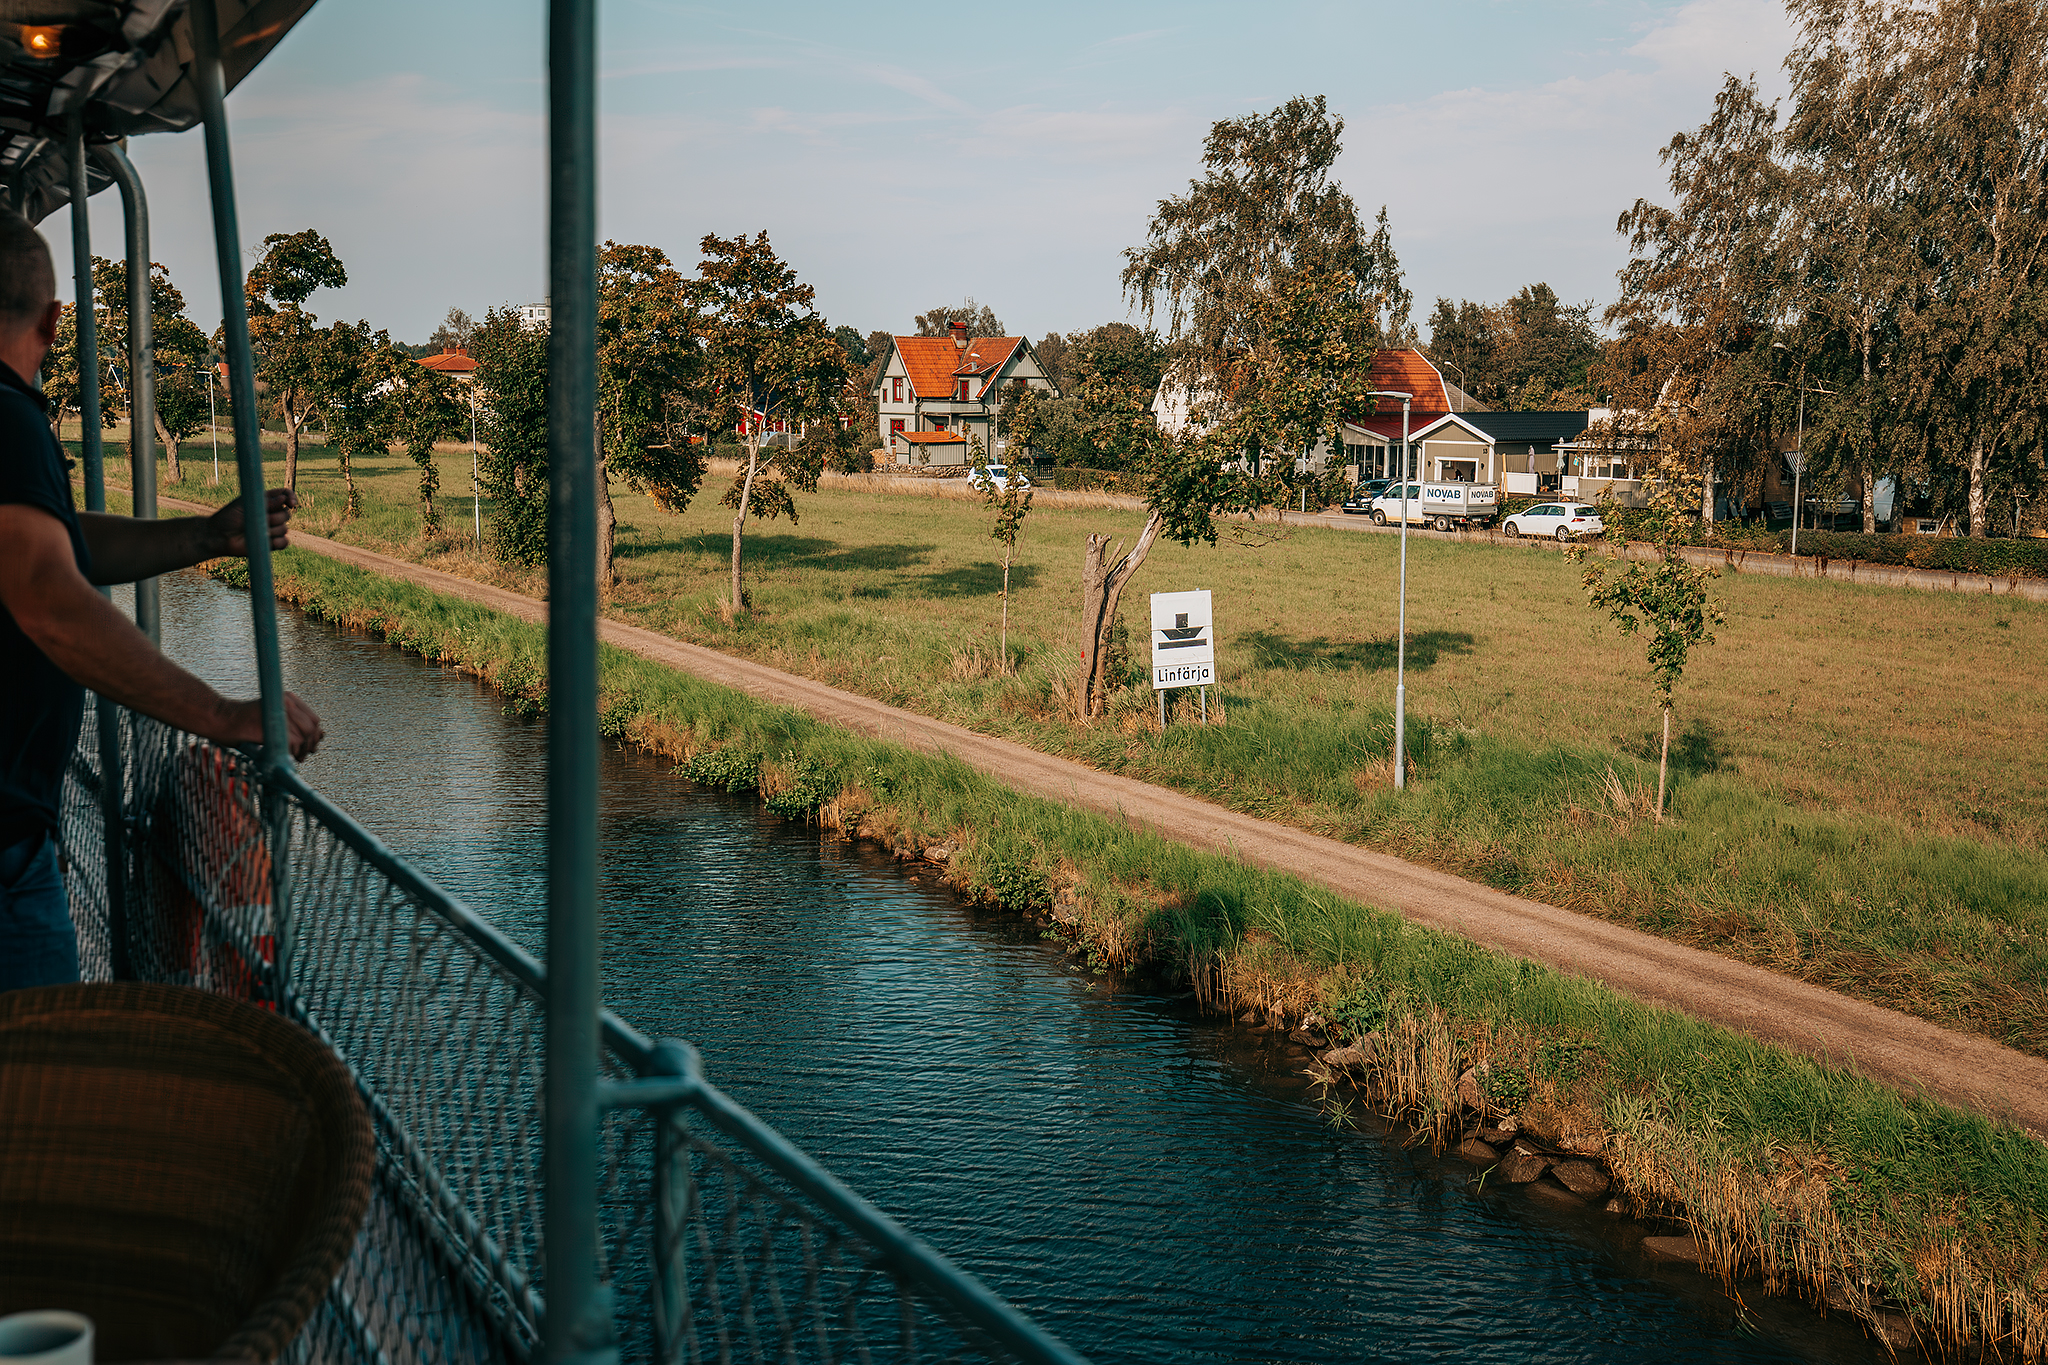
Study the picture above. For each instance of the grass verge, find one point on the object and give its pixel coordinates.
(1818, 1181)
(1857, 778)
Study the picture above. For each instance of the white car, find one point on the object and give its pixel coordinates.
(1563, 521)
(998, 477)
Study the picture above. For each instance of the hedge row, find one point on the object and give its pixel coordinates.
(1958, 554)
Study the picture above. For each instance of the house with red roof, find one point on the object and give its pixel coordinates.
(936, 395)
(1372, 444)
(454, 361)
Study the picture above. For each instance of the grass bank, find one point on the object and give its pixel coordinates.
(1858, 784)
(1807, 1180)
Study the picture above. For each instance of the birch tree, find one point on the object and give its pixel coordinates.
(1275, 299)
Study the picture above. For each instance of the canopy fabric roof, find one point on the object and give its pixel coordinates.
(123, 64)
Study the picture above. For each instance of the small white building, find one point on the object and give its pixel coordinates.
(936, 395)
(536, 316)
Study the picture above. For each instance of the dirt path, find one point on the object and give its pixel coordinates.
(1962, 1069)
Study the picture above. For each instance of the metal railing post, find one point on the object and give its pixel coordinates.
(113, 803)
(671, 1060)
(209, 85)
(579, 1321)
(141, 367)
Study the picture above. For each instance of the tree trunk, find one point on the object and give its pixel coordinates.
(351, 508)
(1707, 493)
(1663, 765)
(1980, 522)
(607, 528)
(1102, 588)
(739, 520)
(175, 471)
(291, 448)
(1869, 469)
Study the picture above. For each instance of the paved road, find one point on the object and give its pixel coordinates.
(1962, 1069)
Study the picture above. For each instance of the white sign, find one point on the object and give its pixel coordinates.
(1183, 640)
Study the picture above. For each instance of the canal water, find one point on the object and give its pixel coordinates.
(1152, 1184)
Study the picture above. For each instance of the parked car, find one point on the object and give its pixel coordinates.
(1563, 521)
(1445, 506)
(1360, 501)
(998, 477)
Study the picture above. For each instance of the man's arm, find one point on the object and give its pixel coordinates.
(87, 636)
(125, 549)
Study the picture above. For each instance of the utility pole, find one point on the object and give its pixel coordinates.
(1401, 645)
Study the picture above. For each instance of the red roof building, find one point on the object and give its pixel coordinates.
(935, 394)
(454, 361)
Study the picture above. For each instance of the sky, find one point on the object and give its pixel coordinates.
(902, 156)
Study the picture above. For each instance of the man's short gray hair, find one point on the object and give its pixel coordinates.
(28, 280)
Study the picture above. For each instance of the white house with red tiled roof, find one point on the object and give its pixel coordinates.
(936, 394)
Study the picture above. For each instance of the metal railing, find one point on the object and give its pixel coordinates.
(719, 1240)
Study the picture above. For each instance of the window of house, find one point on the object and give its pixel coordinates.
(895, 429)
(896, 390)
(963, 391)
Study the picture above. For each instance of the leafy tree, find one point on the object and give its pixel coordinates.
(1666, 600)
(457, 329)
(980, 320)
(647, 361)
(286, 340)
(855, 345)
(512, 407)
(421, 406)
(767, 356)
(351, 375)
(181, 349)
(1276, 300)
(1976, 78)
(60, 371)
(1530, 353)
(1051, 351)
(1009, 505)
(1700, 299)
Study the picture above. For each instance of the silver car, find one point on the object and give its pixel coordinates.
(1562, 521)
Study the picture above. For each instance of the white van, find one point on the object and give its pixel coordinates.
(1446, 506)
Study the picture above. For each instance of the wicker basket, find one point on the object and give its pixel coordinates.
(188, 1171)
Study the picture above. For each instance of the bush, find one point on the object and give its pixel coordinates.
(735, 768)
(1014, 884)
(811, 785)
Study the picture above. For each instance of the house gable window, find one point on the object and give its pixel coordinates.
(896, 389)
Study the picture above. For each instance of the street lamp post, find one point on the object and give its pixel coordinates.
(1401, 643)
(1798, 460)
(476, 497)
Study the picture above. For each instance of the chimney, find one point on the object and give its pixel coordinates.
(960, 335)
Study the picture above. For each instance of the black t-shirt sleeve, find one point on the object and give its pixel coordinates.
(32, 466)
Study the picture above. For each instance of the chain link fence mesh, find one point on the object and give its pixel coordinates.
(712, 1252)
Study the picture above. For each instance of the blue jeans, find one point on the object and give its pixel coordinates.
(38, 946)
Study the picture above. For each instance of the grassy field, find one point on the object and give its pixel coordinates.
(1859, 797)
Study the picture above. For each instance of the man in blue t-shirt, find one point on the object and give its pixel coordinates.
(58, 636)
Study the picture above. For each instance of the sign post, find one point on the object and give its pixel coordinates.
(1183, 645)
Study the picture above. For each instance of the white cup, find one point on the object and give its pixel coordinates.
(48, 1337)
